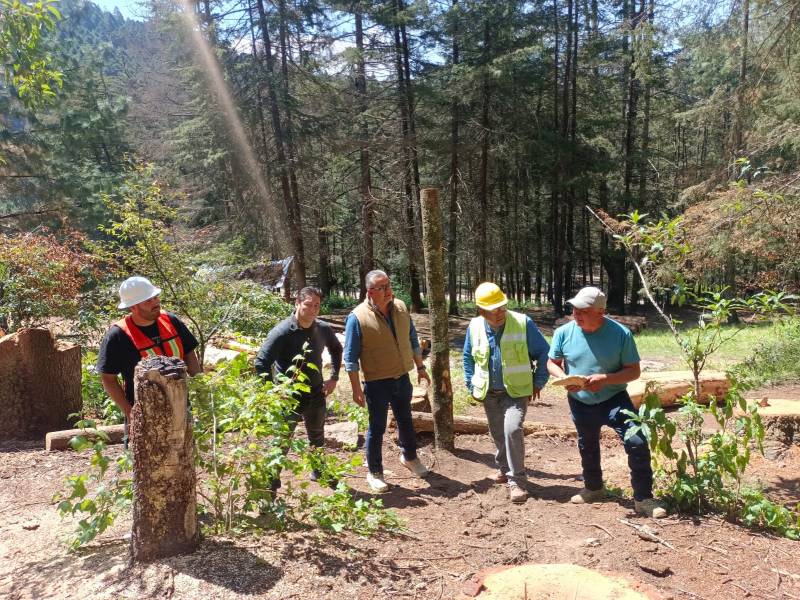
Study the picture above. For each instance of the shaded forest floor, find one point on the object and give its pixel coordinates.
(459, 524)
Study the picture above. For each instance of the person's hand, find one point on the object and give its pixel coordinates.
(328, 386)
(358, 396)
(422, 375)
(596, 382)
(574, 388)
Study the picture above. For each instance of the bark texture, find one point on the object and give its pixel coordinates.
(40, 384)
(164, 496)
(433, 243)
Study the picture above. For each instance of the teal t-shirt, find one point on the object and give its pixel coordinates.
(606, 350)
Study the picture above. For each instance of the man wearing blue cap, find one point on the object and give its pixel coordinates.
(604, 352)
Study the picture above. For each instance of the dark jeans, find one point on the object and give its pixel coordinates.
(588, 420)
(382, 394)
(312, 409)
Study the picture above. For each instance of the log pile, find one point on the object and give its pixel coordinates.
(40, 384)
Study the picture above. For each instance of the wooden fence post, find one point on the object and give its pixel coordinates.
(432, 242)
(164, 495)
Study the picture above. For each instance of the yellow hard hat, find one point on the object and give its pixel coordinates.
(489, 296)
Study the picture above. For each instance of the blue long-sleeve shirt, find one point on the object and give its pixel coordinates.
(352, 340)
(537, 350)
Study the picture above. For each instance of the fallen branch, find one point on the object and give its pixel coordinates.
(646, 533)
(600, 527)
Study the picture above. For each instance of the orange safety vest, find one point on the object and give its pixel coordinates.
(171, 344)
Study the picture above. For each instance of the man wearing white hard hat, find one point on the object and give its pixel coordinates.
(604, 353)
(499, 350)
(145, 332)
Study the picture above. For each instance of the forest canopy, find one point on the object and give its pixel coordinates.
(307, 128)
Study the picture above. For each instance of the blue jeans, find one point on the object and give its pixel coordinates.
(588, 419)
(381, 394)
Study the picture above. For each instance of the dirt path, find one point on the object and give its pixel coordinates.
(459, 524)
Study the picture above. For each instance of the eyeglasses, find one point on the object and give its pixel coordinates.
(382, 288)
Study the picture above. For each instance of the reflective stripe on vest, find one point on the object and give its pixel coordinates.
(517, 371)
(171, 344)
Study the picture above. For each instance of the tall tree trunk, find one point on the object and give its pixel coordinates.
(324, 253)
(556, 279)
(738, 123)
(292, 209)
(365, 183)
(452, 237)
(408, 177)
(483, 188)
(300, 261)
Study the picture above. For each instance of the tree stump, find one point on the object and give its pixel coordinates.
(164, 495)
(40, 384)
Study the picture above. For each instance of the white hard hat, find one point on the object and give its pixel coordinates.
(135, 290)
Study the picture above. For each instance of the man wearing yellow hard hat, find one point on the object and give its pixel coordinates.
(498, 353)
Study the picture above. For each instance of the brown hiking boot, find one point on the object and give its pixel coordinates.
(498, 477)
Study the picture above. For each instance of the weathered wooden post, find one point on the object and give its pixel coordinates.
(437, 307)
(164, 496)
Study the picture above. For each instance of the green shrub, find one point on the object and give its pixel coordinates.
(777, 359)
(241, 437)
(97, 405)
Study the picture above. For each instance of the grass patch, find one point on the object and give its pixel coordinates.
(658, 344)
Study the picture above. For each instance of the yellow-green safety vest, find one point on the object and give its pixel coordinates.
(517, 372)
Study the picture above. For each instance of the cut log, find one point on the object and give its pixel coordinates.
(164, 480)
(420, 400)
(59, 440)
(465, 424)
(671, 385)
(40, 384)
(781, 420)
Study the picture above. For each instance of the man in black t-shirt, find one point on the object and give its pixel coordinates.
(146, 331)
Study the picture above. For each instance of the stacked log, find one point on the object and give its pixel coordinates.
(40, 384)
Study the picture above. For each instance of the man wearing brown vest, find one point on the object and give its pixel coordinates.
(380, 335)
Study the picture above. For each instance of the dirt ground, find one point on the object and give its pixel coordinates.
(459, 524)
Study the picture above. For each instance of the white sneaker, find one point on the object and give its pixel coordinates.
(376, 482)
(415, 466)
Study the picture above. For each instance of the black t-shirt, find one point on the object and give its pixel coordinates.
(118, 355)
